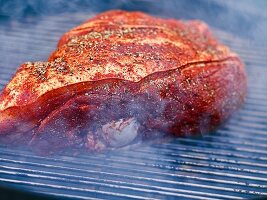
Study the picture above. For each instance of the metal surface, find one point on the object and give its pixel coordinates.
(230, 163)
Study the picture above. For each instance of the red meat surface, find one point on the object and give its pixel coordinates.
(121, 76)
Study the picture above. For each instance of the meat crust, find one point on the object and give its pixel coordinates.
(155, 74)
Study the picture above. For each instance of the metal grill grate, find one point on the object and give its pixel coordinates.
(228, 164)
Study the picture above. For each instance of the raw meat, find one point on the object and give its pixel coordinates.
(119, 77)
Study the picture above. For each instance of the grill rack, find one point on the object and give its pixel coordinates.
(228, 164)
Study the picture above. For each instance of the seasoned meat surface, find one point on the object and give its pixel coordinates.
(121, 76)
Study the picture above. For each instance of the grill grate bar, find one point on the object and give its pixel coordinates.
(222, 146)
(112, 183)
(245, 147)
(257, 100)
(181, 147)
(225, 133)
(258, 96)
(71, 196)
(253, 113)
(208, 151)
(118, 160)
(143, 178)
(16, 169)
(187, 158)
(73, 188)
(253, 106)
(250, 126)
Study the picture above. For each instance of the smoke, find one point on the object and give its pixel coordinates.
(39, 24)
(243, 18)
(48, 15)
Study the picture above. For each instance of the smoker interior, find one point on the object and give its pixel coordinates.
(230, 163)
